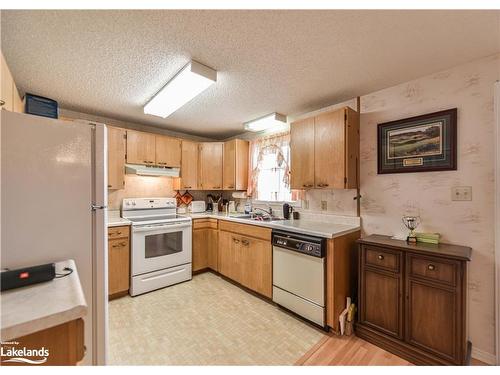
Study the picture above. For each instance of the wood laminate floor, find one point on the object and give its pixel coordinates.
(348, 351)
(333, 350)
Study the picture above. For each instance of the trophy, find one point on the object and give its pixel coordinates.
(411, 222)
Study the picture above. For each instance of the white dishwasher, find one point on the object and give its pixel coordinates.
(299, 275)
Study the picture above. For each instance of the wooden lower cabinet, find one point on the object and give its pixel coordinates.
(229, 256)
(383, 301)
(205, 240)
(256, 257)
(64, 342)
(412, 299)
(245, 259)
(118, 261)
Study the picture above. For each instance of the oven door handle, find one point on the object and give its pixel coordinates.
(150, 228)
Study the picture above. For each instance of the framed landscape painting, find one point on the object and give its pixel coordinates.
(418, 144)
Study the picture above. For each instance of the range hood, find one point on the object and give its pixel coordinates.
(147, 170)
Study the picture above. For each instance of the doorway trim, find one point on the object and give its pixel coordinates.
(497, 221)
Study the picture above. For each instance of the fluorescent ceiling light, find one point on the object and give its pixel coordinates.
(266, 122)
(191, 81)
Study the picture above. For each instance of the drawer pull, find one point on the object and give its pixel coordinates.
(431, 267)
(380, 257)
(307, 185)
(121, 244)
(236, 240)
(245, 242)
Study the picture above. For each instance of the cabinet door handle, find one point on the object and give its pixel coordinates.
(187, 187)
(322, 185)
(109, 186)
(121, 244)
(431, 267)
(307, 185)
(216, 187)
(2, 102)
(245, 242)
(230, 187)
(380, 257)
(236, 240)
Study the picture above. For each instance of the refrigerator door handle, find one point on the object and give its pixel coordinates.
(97, 207)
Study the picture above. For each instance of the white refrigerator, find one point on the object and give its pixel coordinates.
(53, 206)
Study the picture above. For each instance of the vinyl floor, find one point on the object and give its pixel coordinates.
(205, 321)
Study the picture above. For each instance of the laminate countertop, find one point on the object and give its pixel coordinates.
(336, 226)
(37, 307)
(327, 229)
(115, 220)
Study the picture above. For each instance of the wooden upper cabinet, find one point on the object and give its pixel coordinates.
(325, 151)
(189, 165)
(116, 158)
(168, 151)
(302, 154)
(141, 148)
(211, 160)
(329, 154)
(235, 173)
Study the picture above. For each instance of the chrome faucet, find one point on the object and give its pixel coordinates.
(270, 212)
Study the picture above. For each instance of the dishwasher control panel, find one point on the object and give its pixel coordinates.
(313, 246)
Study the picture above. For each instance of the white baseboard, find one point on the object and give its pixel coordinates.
(483, 356)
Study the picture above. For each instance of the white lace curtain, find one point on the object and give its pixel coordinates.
(277, 145)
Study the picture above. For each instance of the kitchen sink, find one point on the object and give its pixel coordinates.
(256, 218)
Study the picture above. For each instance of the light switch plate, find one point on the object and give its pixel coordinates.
(324, 205)
(461, 193)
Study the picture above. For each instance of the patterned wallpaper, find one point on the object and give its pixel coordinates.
(385, 198)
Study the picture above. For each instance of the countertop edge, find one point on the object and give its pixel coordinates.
(41, 324)
(276, 225)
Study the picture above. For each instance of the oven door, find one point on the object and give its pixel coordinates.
(160, 246)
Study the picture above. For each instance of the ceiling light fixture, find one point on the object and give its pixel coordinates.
(191, 81)
(266, 122)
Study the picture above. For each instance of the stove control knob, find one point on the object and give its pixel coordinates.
(133, 203)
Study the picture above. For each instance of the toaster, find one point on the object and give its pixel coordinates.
(197, 206)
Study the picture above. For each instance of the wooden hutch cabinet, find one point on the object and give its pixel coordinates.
(412, 299)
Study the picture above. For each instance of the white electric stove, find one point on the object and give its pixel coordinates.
(161, 243)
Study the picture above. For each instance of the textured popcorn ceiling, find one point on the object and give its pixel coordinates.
(111, 62)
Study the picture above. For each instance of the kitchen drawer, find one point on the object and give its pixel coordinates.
(246, 229)
(384, 259)
(433, 269)
(118, 232)
(205, 223)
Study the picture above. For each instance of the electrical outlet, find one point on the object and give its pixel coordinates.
(461, 193)
(324, 205)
